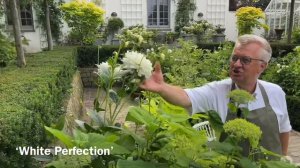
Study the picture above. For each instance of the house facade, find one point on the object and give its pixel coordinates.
(160, 14)
(31, 31)
(153, 14)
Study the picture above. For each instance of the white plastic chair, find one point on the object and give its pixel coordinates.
(210, 133)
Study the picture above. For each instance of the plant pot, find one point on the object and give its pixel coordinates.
(218, 38)
(220, 30)
(278, 33)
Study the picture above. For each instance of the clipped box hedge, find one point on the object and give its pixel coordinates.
(293, 103)
(279, 49)
(30, 98)
(87, 56)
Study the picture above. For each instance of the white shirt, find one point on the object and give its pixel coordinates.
(213, 96)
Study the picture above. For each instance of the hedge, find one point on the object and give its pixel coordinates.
(279, 49)
(293, 103)
(87, 56)
(30, 98)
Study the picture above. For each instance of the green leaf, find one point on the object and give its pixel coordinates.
(100, 141)
(247, 163)
(80, 138)
(276, 164)
(60, 123)
(110, 129)
(141, 141)
(66, 139)
(97, 105)
(139, 164)
(224, 147)
(127, 141)
(96, 118)
(114, 96)
(174, 117)
(141, 116)
(215, 121)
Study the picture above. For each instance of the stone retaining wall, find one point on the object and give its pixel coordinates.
(74, 105)
(88, 76)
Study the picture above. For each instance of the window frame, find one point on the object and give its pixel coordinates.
(24, 28)
(157, 2)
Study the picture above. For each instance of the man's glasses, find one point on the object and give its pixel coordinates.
(244, 59)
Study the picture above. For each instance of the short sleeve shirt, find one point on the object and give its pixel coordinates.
(213, 96)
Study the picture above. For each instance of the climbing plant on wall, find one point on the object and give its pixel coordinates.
(55, 17)
(182, 18)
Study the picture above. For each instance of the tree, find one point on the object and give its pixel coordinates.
(21, 62)
(48, 26)
(84, 18)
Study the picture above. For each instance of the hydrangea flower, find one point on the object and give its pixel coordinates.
(241, 96)
(243, 129)
(137, 61)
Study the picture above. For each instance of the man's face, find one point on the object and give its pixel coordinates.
(243, 72)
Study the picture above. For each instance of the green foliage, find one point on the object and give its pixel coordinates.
(84, 18)
(182, 18)
(7, 50)
(249, 18)
(293, 104)
(286, 73)
(33, 99)
(171, 36)
(198, 28)
(55, 17)
(242, 129)
(136, 37)
(189, 66)
(296, 35)
(282, 49)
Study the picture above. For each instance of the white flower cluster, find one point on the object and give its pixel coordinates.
(137, 61)
(281, 67)
(105, 70)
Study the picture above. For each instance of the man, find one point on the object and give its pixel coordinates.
(249, 59)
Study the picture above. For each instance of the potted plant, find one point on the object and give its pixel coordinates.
(171, 36)
(113, 26)
(219, 29)
(198, 29)
(219, 35)
(278, 33)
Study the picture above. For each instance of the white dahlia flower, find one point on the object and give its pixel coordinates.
(139, 62)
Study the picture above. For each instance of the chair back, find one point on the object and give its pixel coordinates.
(210, 133)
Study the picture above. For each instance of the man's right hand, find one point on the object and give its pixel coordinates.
(156, 81)
(172, 94)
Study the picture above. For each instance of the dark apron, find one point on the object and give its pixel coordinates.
(266, 119)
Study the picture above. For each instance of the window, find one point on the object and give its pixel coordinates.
(158, 13)
(26, 19)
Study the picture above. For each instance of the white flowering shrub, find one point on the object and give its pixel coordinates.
(136, 36)
(199, 27)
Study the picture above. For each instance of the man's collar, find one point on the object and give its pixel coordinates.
(256, 91)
